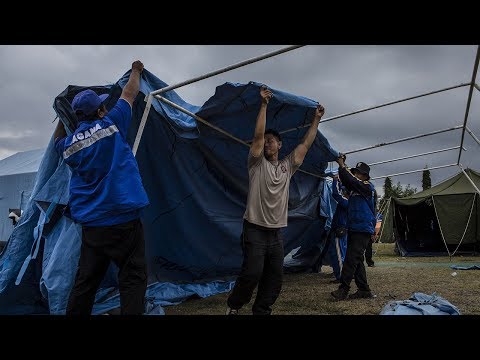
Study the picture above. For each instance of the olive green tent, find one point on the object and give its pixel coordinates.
(442, 219)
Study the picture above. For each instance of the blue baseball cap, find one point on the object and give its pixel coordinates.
(87, 102)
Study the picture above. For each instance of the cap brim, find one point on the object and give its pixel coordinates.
(103, 97)
(354, 170)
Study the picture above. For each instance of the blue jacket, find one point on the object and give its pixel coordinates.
(105, 187)
(361, 203)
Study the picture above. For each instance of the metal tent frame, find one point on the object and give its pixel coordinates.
(464, 128)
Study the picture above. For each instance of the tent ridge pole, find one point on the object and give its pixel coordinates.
(377, 106)
(404, 139)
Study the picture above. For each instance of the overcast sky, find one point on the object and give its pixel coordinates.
(342, 78)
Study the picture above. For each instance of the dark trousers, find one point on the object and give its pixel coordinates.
(369, 253)
(262, 266)
(353, 266)
(124, 244)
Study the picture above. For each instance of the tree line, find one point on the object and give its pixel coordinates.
(399, 191)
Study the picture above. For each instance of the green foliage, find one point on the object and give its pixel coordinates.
(396, 191)
(426, 179)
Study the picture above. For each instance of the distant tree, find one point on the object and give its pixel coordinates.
(408, 191)
(387, 192)
(387, 187)
(426, 179)
(396, 191)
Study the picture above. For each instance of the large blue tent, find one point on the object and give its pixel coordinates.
(197, 182)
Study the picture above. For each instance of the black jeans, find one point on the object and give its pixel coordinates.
(369, 253)
(353, 266)
(125, 245)
(262, 266)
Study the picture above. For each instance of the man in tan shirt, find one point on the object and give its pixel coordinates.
(266, 213)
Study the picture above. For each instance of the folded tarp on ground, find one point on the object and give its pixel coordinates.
(420, 304)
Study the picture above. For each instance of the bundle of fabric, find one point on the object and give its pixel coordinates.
(420, 304)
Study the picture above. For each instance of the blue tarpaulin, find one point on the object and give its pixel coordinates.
(471, 267)
(420, 304)
(197, 182)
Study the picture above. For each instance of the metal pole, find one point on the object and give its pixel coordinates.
(205, 122)
(412, 156)
(473, 135)
(198, 118)
(404, 139)
(143, 121)
(470, 92)
(414, 171)
(376, 107)
(198, 78)
(476, 86)
(228, 68)
(469, 179)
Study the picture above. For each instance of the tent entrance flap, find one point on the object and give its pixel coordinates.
(417, 228)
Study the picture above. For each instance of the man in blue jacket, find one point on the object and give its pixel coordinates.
(361, 226)
(106, 198)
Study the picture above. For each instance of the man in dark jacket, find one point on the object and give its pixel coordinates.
(361, 226)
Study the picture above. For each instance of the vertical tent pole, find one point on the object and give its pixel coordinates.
(470, 92)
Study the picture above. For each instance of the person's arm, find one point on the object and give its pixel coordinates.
(259, 136)
(337, 193)
(301, 150)
(351, 182)
(132, 87)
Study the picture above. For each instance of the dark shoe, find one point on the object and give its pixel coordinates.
(371, 264)
(340, 293)
(361, 294)
(336, 281)
(231, 311)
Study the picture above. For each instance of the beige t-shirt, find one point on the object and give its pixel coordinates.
(267, 202)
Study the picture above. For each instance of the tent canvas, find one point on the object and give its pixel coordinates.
(197, 183)
(442, 219)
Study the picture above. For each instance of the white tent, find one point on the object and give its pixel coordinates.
(17, 177)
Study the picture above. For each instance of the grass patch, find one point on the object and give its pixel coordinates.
(393, 278)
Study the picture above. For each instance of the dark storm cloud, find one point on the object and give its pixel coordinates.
(342, 78)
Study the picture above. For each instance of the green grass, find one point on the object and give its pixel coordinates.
(393, 278)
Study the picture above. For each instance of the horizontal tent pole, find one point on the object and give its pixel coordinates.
(377, 106)
(227, 134)
(404, 139)
(198, 78)
(413, 156)
(414, 171)
(227, 68)
(470, 93)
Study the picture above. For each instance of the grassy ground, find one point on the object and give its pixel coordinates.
(393, 278)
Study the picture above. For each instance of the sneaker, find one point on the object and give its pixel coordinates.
(361, 294)
(340, 293)
(231, 311)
